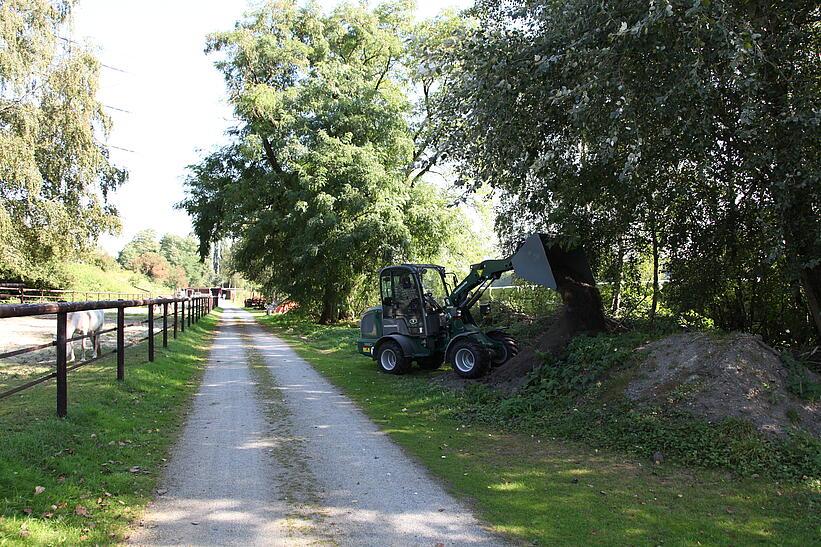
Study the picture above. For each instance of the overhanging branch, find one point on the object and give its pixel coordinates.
(272, 158)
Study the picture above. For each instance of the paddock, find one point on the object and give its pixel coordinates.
(33, 337)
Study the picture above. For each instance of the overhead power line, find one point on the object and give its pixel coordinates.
(120, 148)
(114, 68)
(117, 109)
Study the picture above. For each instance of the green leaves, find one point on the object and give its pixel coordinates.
(315, 187)
(660, 128)
(55, 174)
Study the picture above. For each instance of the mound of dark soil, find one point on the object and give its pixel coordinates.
(513, 375)
(716, 378)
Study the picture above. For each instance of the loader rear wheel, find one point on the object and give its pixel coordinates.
(391, 359)
(510, 345)
(468, 359)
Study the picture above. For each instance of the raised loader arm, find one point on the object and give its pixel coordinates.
(484, 273)
(529, 262)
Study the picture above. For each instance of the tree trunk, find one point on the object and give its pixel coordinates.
(811, 283)
(330, 309)
(655, 242)
(800, 227)
(615, 305)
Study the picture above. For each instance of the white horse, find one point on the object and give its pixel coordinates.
(87, 323)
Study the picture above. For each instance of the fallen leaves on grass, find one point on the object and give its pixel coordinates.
(81, 511)
(39, 490)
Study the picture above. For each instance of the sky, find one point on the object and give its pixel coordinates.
(166, 100)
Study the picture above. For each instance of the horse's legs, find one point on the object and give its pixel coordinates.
(69, 352)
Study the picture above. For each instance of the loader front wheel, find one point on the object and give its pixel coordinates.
(510, 347)
(468, 359)
(391, 359)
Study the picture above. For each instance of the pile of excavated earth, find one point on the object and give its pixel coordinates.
(735, 376)
(712, 377)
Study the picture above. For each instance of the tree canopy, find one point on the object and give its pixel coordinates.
(686, 131)
(318, 185)
(172, 259)
(55, 173)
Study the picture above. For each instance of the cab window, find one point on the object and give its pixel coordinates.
(406, 292)
(387, 290)
(434, 284)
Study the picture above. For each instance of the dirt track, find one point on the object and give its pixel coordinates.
(273, 454)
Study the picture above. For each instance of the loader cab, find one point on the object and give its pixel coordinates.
(402, 309)
(413, 297)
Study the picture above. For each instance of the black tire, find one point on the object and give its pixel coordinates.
(510, 344)
(468, 358)
(430, 363)
(391, 359)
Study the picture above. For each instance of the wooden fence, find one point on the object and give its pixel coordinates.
(186, 311)
(25, 294)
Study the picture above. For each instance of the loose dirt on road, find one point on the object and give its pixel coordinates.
(272, 453)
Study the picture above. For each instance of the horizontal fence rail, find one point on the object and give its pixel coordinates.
(25, 294)
(183, 310)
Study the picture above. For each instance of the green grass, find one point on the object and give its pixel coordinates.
(551, 491)
(98, 466)
(91, 277)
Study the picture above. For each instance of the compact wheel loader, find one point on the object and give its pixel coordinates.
(423, 318)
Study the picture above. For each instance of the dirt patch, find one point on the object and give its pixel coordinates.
(737, 376)
(513, 375)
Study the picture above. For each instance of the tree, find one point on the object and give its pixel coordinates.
(684, 130)
(315, 185)
(145, 241)
(181, 252)
(153, 265)
(55, 174)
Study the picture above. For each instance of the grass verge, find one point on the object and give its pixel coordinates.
(550, 491)
(84, 478)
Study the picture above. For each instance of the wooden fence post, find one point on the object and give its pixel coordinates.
(151, 333)
(175, 319)
(165, 324)
(121, 343)
(62, 378)
(189, 311)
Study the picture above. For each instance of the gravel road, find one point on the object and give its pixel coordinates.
(273, 454)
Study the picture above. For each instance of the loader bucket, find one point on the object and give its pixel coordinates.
(539, 261)
(530, 262)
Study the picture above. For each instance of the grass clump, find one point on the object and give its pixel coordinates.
(84, 478)
(799, 381)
